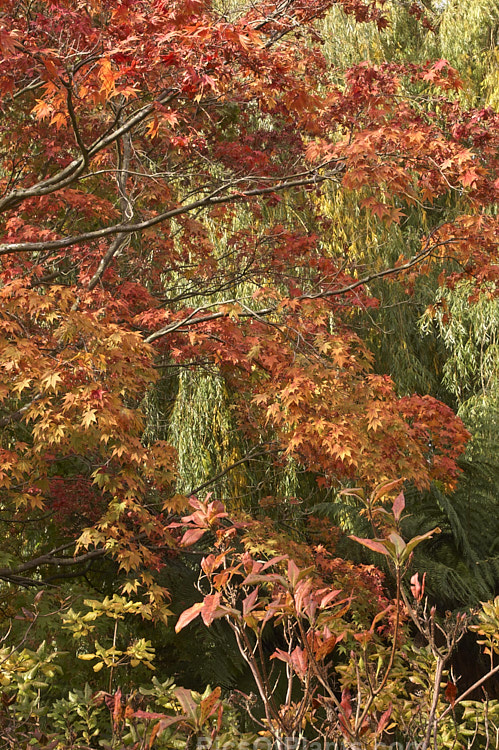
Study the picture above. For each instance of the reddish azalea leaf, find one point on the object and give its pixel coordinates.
(215, 510)
(209, 705)
(210, 563)
(384, 719)
(328, 598)
(373, 544)
(149, 715)
(273, 561)
(398, 543)
(417, 587)
(252, 578)
(293, 572)
(219, 717)
(164, 723)
(412, 543)
(210, 610)
(192, 536)
(186, 700)
(353, 492)
(299, 659)
(152, 736)
(281, 655)
(249, 602)
(398, 506)
(117, 708)
(325, 648)
(384, 489)
(345, 703)
(188, 616)
(364, 728)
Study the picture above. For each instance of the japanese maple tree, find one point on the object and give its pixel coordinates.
(149, 154)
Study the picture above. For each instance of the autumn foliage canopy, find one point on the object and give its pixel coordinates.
(164, 171)
(197, 191)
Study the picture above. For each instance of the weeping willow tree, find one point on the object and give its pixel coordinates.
(202, 430)
(470, 334)
(348, 43)
(469, 39)
(465, 561)
(192, 406)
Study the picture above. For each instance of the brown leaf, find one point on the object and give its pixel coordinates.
(451, 693)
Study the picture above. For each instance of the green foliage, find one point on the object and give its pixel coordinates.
(469, 333)
(158, 713)
(78, 718)
(488, 626)
(473, 50)
(202, 431)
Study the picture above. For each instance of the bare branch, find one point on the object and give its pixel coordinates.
(467, 692)
(14, 575)
(74, 122)
(302, 179)
(77, 167)
(126, 211)
(191, 318)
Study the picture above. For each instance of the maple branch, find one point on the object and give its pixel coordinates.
(277, 13)
(36, 84)
(106, 260)
(14, 575)
(74, 121)
(77, 167)
(126, 211)
(302, 179)
(190, 319)
(15, 416)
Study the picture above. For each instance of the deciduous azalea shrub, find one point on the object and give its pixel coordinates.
(331, 653)
(326, 675)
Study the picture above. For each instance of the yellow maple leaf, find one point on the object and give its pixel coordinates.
(88, 418)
